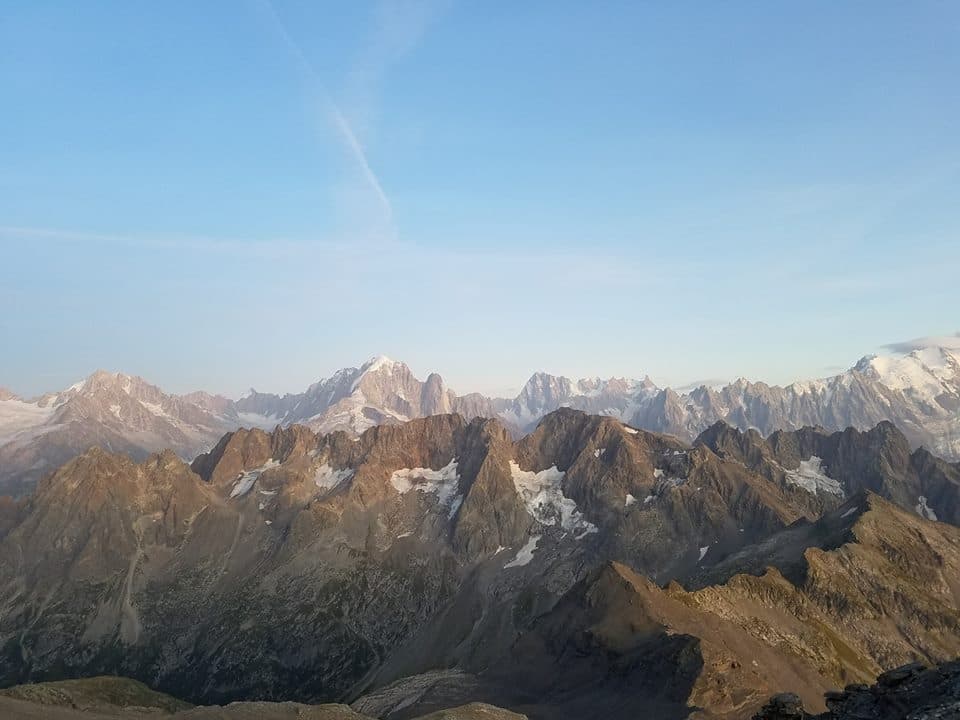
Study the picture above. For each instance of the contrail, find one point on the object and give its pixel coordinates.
(342, 124)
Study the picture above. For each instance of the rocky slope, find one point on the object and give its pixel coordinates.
(919, 392)
(113, 697)
(617, 645)
(910, 692)
(97, 693)
(438, 561)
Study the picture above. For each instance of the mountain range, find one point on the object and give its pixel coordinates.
(919, 392)
(588, 568)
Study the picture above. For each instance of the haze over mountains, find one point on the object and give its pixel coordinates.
(918, 391)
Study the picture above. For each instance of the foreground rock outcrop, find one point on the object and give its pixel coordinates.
(123, 699)
(909, 692)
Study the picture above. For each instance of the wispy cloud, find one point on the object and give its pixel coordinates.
(905, 346)
(350, 138)
(398, 30)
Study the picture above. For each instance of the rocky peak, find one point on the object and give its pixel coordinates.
(545, 390)
(237, 451)
(380, 379)
(382, 364)
(105, 381)
(864, 364)
(217, 404)
(560, 436)
(435, 399)
(727, 441)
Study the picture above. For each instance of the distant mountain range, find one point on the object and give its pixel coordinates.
(919, 392)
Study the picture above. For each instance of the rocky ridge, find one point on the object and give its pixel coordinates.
(425, 564)
(919, 392)
(113, 411)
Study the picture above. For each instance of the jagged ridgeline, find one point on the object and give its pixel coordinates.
(587, 569)
(919, 392)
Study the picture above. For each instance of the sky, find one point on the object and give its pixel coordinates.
(254, 193)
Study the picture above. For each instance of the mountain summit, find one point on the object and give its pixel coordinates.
(379, 391)
(918, 391)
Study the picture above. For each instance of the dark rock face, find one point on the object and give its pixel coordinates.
(878, 460)
(544, 574)
(783, 706)
(909, 692)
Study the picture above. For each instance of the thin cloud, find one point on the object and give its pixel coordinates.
(340, 121)
(343, 125)
(398, 27)
(951, 342)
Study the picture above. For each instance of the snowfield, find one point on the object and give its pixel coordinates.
(444, 483)
(326, 478)
(812, 477)
(542, 493)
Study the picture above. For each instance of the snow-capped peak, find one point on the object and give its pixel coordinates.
(923, 374)
(378, 363)
(100, 379)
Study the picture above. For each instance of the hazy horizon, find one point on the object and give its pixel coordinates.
(951, 341)
(228, 195)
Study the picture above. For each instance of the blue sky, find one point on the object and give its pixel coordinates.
(224, 194)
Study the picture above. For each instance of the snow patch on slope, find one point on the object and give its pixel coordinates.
(812, 477)
(524, 554)
(246, 480)
(17, 416)
(924, 510)
(154, 408)
(326, 477)
(542, 493)
(444, 483)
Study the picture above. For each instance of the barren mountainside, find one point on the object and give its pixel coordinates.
(103, 698)
(588, 566)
